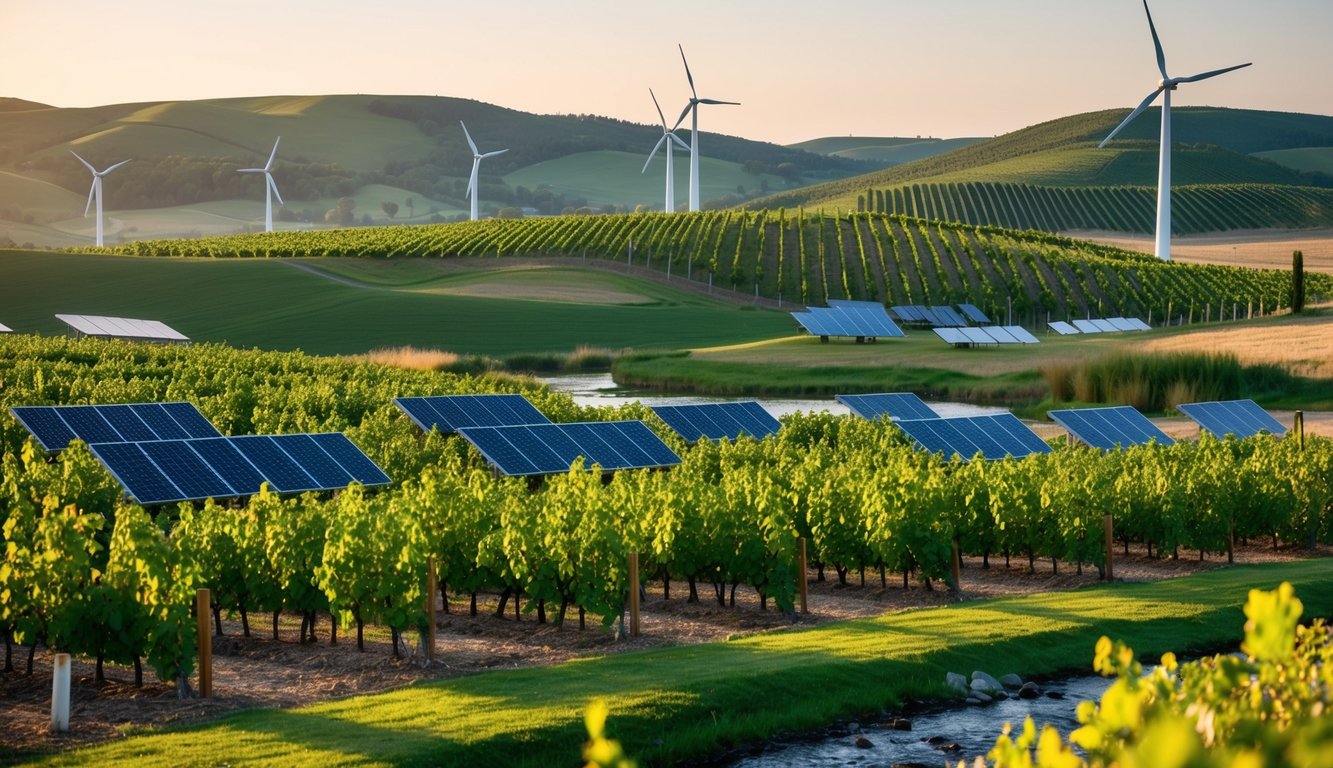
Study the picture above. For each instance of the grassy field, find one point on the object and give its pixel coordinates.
(889, 150)
(272, 304)
(1318, 159)
(679, 704)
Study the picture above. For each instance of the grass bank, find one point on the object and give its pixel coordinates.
(681, 704)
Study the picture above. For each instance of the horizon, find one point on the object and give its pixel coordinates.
(600, 59)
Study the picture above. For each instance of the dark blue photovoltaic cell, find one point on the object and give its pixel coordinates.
(140, 476)
(351, 458)
(89, 425)
(282, 472)
(158, 420)
(862, 319)
(896, 405)
(228, 462)
(449, 413)
(191, 420)
(316, 463)
(993, 436)
(973, 313)
(1109, 428)
(539, 449)
(46, 425)
(127, 424)
(186, 470)
(715, 421)
(1242, 418)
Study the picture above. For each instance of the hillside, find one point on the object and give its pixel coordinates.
(1063, 152)
(885, 150)
(187, 152)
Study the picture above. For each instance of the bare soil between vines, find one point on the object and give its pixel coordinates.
(260, 672)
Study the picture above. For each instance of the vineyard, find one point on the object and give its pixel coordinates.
(808, 258)
(1194, 209)
(86, 573)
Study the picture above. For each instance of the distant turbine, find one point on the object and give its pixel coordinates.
(693, 109)
(477, 157)
(1164, 87)
(668, 137)
(270, 187)
(95, 193)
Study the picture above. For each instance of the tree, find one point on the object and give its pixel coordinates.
(411, 207)
(390, 208)
(1297, 282)
(342, 213)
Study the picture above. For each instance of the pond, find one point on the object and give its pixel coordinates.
(973, 728)
(593, 389)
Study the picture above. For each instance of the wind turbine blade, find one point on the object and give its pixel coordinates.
(678, 141)
(1142, 106)
(250, 170)
(91, 191)
(1214, 73)
(470, 142)
(493, 154)
(273, 185)
(114, 167)
(688, 76)
(659, 108)
(684, 113)
(715, 101)
(269, 165)
(85, 162)
(1157, 43)
(653, 154)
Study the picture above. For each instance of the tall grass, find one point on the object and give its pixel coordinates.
(583, 359)
(1151, 381)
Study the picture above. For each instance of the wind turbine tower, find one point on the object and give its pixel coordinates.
(95, 193)
(477, 157)
(669, 137)
(693, 109)
(270, 187)
(1164, 87)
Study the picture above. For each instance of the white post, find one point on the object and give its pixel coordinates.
(1164, 181)
(60, 694)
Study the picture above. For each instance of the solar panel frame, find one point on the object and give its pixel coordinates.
(1063, 328)
(895, 405)
(994, 436)
(1110, 427)
(1242, 418)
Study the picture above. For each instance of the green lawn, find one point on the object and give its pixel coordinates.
(678, 704)
(274, 305)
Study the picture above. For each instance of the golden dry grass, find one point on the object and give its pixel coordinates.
(1261, 249)
(412, 358)
(1304, 345)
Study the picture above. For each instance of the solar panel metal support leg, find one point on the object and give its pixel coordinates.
(1108, 524)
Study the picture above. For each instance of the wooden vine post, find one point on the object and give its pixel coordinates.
(431, 587)
(634, 594)
(956, 568)
(802, 582)
(1299, 426)
(1107, 522)
(202, 602)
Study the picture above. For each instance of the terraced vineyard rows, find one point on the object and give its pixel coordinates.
(1195, 209)
(809, 258)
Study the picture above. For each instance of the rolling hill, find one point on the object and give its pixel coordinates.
(886, 150)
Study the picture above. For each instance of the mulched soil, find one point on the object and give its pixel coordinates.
(260, 672)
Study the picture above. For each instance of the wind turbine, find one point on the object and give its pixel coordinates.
(668, 137)
(477, 157)
(1164, 87)
(96, 191)
(693, 109)
(270, 187)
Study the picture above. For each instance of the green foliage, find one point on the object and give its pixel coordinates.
(1268, 708)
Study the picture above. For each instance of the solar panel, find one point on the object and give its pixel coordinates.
(544, 449)
(1242, 418)
(1021, 333)
(999, 334)
(55, 425)
(1121, 323)
(948, 317)
(973, 313)
(1109, 428)
(137, 473)
(122, 328)
(895, 405)
(860, 319)
(854, 303)
(715, 421)
(5, 329)
(449, 413)
(1087, 326)
(351, 458)
(1139, 325)
(994, 437)
(952, 336)
(977, 336)
(1063, 328)
(910, 314)
(1104, 325)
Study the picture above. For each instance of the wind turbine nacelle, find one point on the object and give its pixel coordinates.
(1168, 85)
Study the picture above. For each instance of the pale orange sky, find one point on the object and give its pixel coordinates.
(802, 70)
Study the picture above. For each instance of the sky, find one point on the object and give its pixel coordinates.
(802, 70)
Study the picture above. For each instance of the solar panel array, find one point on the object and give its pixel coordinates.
(122, 328)
(861, 319)
(895, 405)
(1242, 418)
(973, 313)
(546, 449)
(169, 471)
(990, 334)
(1109, 428)
(450, 413)
(994, 437)
(939, 317)
(55, 425)
(1101, 325)
(715, 421)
